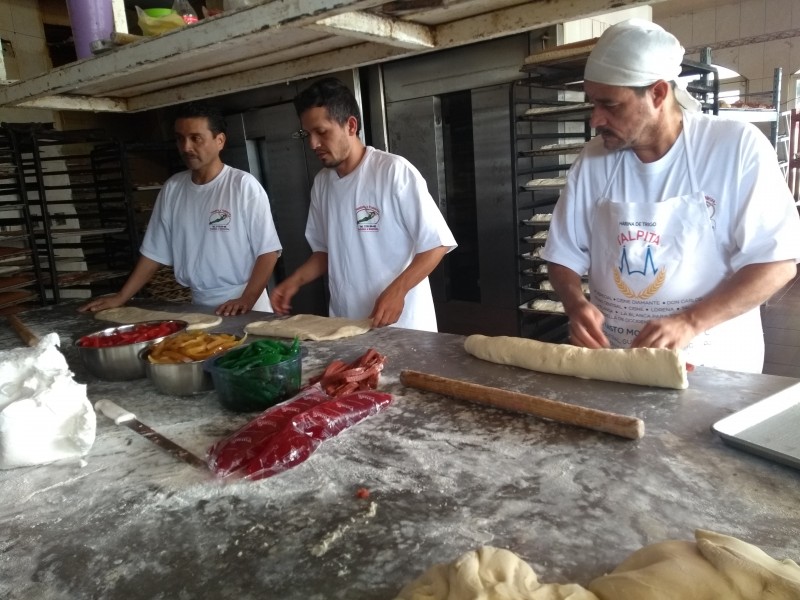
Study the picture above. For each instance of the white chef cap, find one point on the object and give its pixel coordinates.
(638, 53)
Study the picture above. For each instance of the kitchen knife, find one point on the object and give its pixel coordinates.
(120, 416)
(590, 418)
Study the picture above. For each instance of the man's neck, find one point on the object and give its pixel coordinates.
(357, 152)
(666, 135)
(207, 173)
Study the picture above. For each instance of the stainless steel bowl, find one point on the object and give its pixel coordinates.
(118, 363)
(177, 379)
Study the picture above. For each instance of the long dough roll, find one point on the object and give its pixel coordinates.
(657, 367)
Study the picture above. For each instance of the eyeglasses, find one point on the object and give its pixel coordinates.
(300, 134)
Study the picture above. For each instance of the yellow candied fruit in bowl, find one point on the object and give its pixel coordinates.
(191, 346)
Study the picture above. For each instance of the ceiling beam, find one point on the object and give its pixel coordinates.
(524, 17)
(372, 28)
(309, 66)
(81, 103)
(218, 32)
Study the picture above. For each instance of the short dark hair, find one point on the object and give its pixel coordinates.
(333, 95)
(202, 110)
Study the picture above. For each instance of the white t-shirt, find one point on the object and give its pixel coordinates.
(751, 209)
(372, 223)
(211, 234)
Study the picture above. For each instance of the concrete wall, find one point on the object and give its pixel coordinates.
(751, 37)
(24, 52)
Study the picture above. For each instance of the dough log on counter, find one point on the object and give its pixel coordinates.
(133, 314)
(658, 367)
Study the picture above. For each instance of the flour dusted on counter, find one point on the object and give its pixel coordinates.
(45, 415)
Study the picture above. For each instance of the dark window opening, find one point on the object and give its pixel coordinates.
(60, 44)
(462, 264)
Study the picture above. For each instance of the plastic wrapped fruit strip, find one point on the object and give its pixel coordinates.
(230, 454)
(339, 378)
(287, 434)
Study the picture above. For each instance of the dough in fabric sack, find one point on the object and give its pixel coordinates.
(310, 327)
(658, 367)
(132, 314)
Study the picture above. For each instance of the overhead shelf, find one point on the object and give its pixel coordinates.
(276, 42)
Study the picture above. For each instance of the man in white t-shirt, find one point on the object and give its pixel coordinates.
(212, 223)
(682, 221)
(373, 227)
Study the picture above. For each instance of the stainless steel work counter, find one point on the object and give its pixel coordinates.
(444, 477)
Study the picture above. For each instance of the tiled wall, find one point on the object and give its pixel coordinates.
(24, 52)
(732, 24)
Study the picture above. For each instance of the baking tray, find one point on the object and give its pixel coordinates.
(768, 428)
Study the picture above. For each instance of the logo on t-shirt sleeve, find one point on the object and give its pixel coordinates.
(367, 218)
(219, 220)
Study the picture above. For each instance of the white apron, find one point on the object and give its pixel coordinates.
(653, 259)
(217, 296)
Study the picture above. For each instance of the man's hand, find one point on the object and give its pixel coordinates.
(237, 306)
(674, 332)
(585, 319)
(282, 295)
(586, 326)
(388, 307)
(103, 303)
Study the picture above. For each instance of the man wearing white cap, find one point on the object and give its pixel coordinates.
(683, 221)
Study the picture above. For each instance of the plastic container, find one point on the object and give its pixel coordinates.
(157, 12)
(185, 10)
(256, 389)
(91, 20)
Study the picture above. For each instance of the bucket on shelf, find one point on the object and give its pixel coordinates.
(91, 20)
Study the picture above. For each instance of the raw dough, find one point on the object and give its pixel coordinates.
(547, 305)
(657, 367)
(132, 314)
(310, 327)
(488, 574)
(717, 566)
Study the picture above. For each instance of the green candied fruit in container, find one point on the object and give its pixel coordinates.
(257, 376)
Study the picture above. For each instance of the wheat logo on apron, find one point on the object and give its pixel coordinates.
(652, 288)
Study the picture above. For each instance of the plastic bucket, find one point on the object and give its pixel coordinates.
(91, 20)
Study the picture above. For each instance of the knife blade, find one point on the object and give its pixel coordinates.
(120, 416)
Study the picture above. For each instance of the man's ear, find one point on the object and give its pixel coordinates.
(352, 125)
(660, 91)
(221, 139)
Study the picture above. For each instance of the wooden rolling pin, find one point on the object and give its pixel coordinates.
(25, 334)
(607, 422)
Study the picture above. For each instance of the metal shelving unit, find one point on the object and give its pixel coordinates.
(549, 128)
(20, 275)
(81, 221)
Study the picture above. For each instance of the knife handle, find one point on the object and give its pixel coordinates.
(113, 411)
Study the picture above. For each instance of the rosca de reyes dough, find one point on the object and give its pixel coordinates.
(310, 327)
(133, 314)
(658, 367)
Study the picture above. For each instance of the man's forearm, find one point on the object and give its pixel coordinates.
(748, 288)
(316, 266)
(142, 273)
(259, 276)
(419, 268)
(567, 285)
